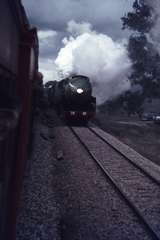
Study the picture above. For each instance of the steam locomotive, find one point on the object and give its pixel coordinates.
(72, 98)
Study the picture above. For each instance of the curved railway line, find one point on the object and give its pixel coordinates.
(139, 189)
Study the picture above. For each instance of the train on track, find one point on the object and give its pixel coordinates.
(72, 98)
(19, 49)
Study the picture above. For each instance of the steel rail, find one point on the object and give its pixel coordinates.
(129, 202)
(127, 158)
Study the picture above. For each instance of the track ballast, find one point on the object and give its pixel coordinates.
(140, 190)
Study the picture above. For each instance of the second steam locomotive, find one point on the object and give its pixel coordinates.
(72, 98)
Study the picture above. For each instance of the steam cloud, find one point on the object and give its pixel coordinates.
(97, 56)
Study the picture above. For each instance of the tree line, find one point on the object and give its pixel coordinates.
(145, 58)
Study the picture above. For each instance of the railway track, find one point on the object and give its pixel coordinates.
(140, 190)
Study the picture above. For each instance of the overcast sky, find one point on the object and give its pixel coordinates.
(51, 18)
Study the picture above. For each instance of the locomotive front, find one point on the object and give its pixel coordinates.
(78, 90)
(78, 102)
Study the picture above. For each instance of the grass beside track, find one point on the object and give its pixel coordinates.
(142, 136)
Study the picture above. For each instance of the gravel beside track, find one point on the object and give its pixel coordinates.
(66, 195)
(142, 190)
(39, 211)
(90, 206)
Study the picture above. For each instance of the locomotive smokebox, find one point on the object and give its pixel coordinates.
(78, 89)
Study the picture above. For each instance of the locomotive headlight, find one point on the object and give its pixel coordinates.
(79, 90)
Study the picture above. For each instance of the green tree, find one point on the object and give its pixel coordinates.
(141, 18)
(145, 58)
(133, 103)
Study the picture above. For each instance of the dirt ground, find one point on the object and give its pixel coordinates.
(143, 136)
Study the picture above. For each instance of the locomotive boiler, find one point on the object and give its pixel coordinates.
(72, 98)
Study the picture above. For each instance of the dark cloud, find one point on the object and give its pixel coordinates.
(49, 42)
(51, 14)
(51, 18)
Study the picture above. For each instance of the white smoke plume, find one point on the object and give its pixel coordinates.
(97, 56)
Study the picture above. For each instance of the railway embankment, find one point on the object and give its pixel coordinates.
(66, 195)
